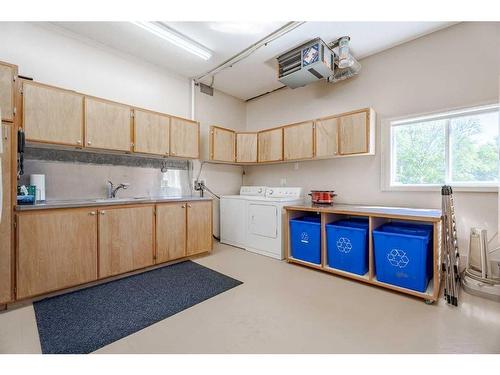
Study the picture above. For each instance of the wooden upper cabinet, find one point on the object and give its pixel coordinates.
(107, 125)
(151, 132)
(246, 147)
(8, 74)
(270, 145)
(184, 138)
(170, 231)
(298, 141)
(55, 249)
(6, 235)
(52, 115)
(326, 137)
(222, 144)
(199, 227)
(125, 239)
(354, 133)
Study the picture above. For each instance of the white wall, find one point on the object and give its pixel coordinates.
(454, 67)
(51, 55)
(229, 112)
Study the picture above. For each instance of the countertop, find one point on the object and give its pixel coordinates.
(50, 204)
(381, 211)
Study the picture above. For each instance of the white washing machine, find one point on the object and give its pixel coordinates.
(233, 215)
(254, 221)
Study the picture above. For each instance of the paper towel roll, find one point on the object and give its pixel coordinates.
(38, 180)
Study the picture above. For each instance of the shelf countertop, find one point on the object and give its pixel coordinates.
(382, 211)
(74, 203)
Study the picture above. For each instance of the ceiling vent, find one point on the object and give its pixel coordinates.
(305, 64)
(316, 60)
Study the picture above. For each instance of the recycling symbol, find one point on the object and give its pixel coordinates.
(398, 258)
(304, 237)
(344, 245)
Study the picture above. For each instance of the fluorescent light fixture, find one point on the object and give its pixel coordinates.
(163, 31)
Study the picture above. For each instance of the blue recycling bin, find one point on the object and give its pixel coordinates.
(347, 245)
(403, 255)
(305, 239)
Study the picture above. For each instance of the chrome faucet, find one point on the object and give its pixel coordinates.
(112, 190)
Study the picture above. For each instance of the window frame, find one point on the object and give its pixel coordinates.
(387, 156)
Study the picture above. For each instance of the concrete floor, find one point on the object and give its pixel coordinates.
(283, 308)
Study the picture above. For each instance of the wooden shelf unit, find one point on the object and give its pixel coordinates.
(376, 217)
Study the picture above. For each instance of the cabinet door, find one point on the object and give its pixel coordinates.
(7, 75)
(298, 141)
(184, 138)
(52, 115)
(151, 132)
(6, 218)
(55, 250)
(222, 144)
(354, 133)
(125, 239)
(246, 147)
(107, 125)
(326, 137)
(170, 231)
(270, 145)
(199, 227)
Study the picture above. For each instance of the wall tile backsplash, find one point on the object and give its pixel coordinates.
(82, 175)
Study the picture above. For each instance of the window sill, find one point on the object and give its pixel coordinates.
(435, 188)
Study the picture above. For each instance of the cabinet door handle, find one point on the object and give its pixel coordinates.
(92, 213)
(102, 212)
(89, 143)
(183, 206)
(189, 206)
(78, 142)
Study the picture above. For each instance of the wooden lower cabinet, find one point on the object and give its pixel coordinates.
(183, 229)
(55, 250)
(199, 227)
(170, 231)
(62, 248)
(125, 239)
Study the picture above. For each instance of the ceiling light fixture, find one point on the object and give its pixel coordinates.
(163, 31)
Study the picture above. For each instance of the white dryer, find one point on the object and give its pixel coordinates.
(264, 220)
(253, 219)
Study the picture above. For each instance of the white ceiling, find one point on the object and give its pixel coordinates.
(256, 74)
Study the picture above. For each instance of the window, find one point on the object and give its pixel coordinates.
(459, 148)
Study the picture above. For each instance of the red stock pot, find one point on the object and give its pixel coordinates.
(322, 196)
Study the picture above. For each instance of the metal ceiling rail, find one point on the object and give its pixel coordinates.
(249, 50)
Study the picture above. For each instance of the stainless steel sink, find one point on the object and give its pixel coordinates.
(110, 200)
(101, 200)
